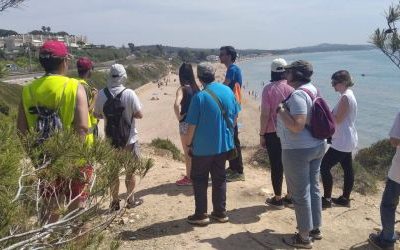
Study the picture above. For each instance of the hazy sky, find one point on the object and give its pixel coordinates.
(261, 24)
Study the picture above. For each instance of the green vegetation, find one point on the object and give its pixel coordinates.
(166, 144)
(101, 54)
(67, 154)
(10, 96)
(4, 32)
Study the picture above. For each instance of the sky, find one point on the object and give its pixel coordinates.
(245, 24)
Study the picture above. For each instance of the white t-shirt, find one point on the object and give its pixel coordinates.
(394, 171)
(345, 138)
(131, 103)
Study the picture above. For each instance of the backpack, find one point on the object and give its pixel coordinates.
(117, 128)
(322, 124)
(48, 120)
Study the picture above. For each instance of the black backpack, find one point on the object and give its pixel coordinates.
(117, 128)
(48, 120)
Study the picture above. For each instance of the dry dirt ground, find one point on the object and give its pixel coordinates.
(160, 222)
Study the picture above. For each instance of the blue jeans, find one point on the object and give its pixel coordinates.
(390, 200)
(302, 169)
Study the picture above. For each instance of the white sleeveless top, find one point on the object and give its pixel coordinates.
(345, 138)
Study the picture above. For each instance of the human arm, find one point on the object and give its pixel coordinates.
(295, 119)
(342, 110)
(98, 106)
(264, 117)
(136, 106)
(177, 104)
(395, 132)
(81, 112)
(22, 123)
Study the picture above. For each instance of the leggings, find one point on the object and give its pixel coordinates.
(331, 158)
(274, 150)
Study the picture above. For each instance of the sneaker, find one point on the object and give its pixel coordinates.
(199, 220)
(341, 201)
(378, 243)
(326, 203)
(220, 217)
(114, 206)
(288, 202)
(316, 234)
(298, 242)
(135, 202)
(185, 181)
(274, 202)
(235, 177)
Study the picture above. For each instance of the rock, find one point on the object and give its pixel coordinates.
(131, 221)
(263, 192)
(137, 216)
(122, 221)
(255, 163)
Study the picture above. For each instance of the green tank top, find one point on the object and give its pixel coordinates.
(53, 92)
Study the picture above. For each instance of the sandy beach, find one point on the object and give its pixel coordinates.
(160, 223)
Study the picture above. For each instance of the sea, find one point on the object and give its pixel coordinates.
(377, 85)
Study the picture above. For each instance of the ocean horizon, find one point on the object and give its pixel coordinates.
(377, 85)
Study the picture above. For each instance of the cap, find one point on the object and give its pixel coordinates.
(54, 49)
(301, 66)
(205, 69)
(278, 65)
(84, 63)
(117, 70)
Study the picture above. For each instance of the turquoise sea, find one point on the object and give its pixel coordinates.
(377, 93)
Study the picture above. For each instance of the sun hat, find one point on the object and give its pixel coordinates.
(278, 65)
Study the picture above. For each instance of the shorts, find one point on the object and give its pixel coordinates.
(62, 187)
(183, 128)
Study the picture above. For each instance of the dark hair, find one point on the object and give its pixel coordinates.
(82, 72)
(230, 51)
(186, 76)
(277, 76)
(342, 76)
(51, 64)
(299, 76)
(206, 78)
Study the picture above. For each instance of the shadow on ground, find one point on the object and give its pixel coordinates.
(267, 239)
(246, 215)
(157, 230)
(170, 189)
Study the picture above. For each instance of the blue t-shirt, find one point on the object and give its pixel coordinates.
(212, 135)
(234, 75)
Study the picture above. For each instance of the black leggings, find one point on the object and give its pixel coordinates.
(274, 150)
(331, 158)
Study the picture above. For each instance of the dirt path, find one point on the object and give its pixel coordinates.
(160, 223)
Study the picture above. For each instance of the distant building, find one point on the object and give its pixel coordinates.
(15, 42)
(212, 58)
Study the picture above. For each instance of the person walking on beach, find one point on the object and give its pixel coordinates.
(120, 107)
(187, 89)
(344, 141)
(85, 68)
(273, 94)
(211, 117)
(65, 100)
(386, 239)
(301, 154)
(233, 79)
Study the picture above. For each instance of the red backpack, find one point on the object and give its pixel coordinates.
(322, 124)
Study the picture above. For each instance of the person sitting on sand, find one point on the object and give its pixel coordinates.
(390, 199)
(233, 79)
(132, 110)
(273, 94)
(211, 117)
(187, 89)
(344, 141)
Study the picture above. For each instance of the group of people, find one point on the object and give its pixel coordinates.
(209, 133)
(56, 101)
(208, 128)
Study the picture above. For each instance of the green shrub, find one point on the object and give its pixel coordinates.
(377, 158)
(166, 144)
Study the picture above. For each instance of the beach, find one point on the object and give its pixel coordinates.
(160, 223)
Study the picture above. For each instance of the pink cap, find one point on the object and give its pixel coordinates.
(84, 63)
(54, 48)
